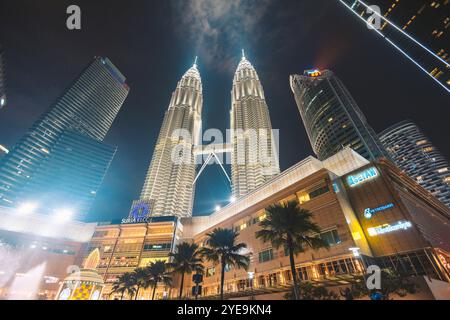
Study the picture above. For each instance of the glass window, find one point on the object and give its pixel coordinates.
(318, 192)
(157, 246)
(265, 256)
(331, 237)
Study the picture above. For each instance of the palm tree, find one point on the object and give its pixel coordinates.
(158, 272)
(141, 276)
(125, 284)
(221, 248)
(290, 226)
(186, 259)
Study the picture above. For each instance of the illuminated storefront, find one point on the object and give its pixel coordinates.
(372, 213)
(368, 212)
(123, 247)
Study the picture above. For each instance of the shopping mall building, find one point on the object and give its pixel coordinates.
(369, 213)
(373, 209)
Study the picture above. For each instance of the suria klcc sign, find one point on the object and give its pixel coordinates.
(369, 212)
(139, 214)
(362, 177)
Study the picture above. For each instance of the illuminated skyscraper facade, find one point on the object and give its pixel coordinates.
(88, 107)
(331, 116)
(2, 79)
(169, 185)
(254, 155)
(414, 153)
(70, 177)
(418, 29)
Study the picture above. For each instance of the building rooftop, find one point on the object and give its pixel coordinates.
(338, 165)
(40, 225)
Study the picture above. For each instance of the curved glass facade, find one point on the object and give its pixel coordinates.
(414, 153)
(332, 118)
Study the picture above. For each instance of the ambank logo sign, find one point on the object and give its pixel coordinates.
(362, 177)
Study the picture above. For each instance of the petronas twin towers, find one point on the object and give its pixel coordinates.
(170, 183)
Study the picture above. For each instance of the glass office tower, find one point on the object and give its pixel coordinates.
(88, 106)
(332, 118)
(69, 178)
(414, 153)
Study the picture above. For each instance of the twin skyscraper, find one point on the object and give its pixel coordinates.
(170, 185)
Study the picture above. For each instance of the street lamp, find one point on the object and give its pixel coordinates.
(357, 254)
(251, 276)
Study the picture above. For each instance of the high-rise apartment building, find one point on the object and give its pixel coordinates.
(169, 185)
(331, 116)
(88, 107)
(254, 155)
(414, 153)
(418, 29)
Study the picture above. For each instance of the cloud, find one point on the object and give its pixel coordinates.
(219, 28)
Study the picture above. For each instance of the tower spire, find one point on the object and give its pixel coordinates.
(195, 61)
(243, 54)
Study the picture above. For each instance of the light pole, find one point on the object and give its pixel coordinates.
(251, 276)
(356, 254)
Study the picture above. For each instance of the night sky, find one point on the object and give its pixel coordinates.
(154, 42)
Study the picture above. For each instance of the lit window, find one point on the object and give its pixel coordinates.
(421, 142)
(210, 272)
(304, 197)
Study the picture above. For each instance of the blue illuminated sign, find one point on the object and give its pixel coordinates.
(140, 211)
(369, 212)
(139, 214)
(361, 177)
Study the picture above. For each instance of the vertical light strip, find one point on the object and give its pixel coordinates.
(406, 34)
(398, 48)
